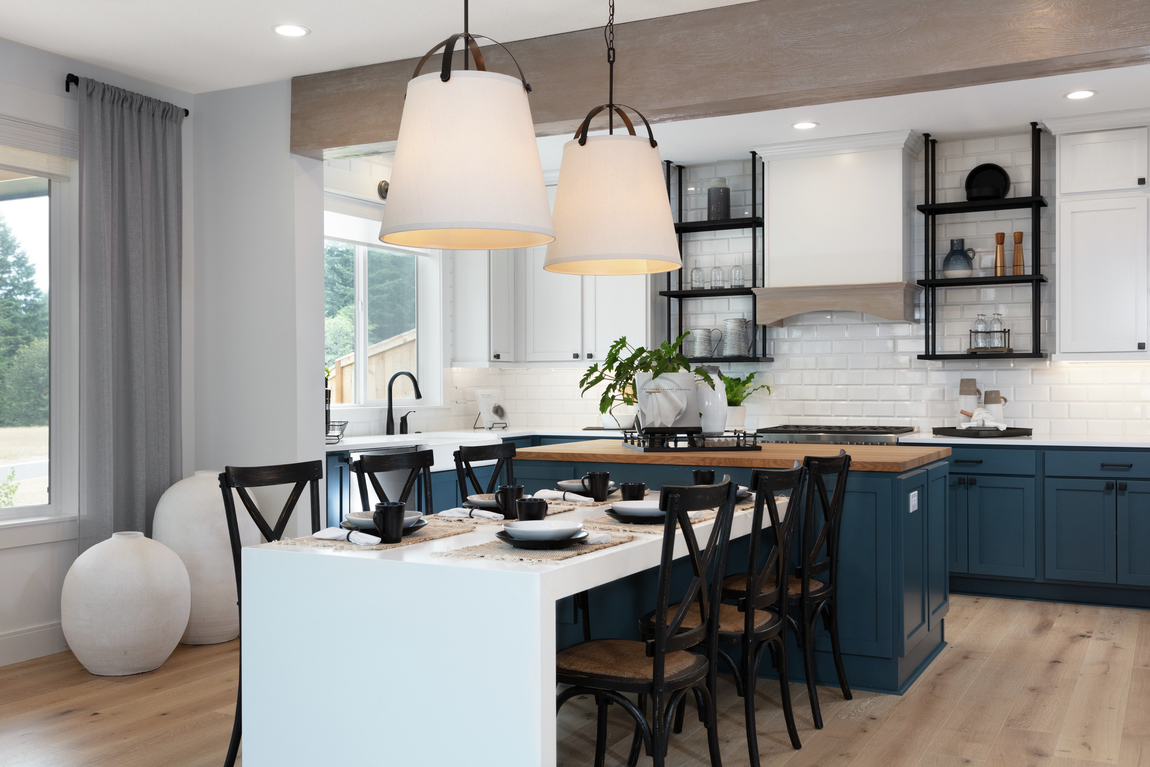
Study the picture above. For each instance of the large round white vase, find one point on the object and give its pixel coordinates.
(125, 605)
(190, 521)
(712, 407)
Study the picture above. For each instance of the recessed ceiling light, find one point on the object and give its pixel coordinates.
(1079, 95)
(292, 30)
(806, 126)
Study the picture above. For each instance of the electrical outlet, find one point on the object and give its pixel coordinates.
(914, 501)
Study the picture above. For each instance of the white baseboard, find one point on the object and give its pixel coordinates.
(35, 642)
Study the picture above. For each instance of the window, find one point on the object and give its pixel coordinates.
(371, 313)
(24, 340)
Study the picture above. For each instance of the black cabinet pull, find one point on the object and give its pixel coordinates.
(1122, 486)
(973, 481)
(967, 460)
(589, 355)
(1142, 181)
(496, 356)
(1117, 466)
(575, 356)
(960, 480)
(1109, 486)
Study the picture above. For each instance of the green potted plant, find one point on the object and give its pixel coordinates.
(627, 369)
(738, 389)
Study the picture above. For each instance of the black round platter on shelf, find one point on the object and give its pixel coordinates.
(987, 182)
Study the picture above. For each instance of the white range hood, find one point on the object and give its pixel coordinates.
(839, 226)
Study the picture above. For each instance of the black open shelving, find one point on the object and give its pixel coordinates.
(932, 209)
(758, 265)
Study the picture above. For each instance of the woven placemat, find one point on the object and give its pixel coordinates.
(436, 528)
(505, 552)
(609, 524)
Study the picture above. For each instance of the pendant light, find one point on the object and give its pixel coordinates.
(466, 174)
(612, 215)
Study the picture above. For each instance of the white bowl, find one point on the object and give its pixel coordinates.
(542, 530)
(364, 520)
(576, 486)
(647, 508)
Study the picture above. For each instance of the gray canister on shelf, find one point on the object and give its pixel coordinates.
(718, 200)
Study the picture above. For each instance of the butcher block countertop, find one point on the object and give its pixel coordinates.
(888, 458)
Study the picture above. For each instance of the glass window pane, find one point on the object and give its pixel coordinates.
(339, 319)
(24, 392)
(390, 322)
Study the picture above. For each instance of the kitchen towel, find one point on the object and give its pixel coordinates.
(458, 513)
(339, 534)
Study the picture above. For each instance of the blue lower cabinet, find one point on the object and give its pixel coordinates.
(956, 522)
(338, 484)
(1134, 533)
(912, 494)
(521, 442)
(1081, 519)
(444, 490)
(1000, 526)
(937, 546)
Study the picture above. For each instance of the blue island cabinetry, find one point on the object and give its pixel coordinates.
(1057, 523)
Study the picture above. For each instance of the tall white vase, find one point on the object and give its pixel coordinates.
(712, 407)
(190, 521)
(125, 605)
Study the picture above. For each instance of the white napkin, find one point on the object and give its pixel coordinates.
(354, 536)
(559, 495)
(982, 418)
(458, 513)
(593, 539)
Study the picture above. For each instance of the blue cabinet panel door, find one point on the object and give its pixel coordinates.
(1080, 530)
(956, 522)
(1134, 533)
(913, 518)
(1000, 522)
(937, 534)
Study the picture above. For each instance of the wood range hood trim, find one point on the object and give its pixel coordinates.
(896, 301)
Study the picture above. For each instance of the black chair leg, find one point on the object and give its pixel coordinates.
(712, 728)
(601, 732)
(807, 640)
(680, 712)
(637, 741)
(785, 691)
(659, 735)
(583, 605)
(234, 745)
(831, 619)
(749, 703)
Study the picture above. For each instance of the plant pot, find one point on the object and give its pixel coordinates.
(190, 521)
(712, 407)
(125, 605)
(618, 420)
(668, 401)
(737, 417)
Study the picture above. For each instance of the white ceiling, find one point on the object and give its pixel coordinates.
(209, 45)
(986, 110)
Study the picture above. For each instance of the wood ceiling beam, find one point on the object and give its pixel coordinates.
(752, 57)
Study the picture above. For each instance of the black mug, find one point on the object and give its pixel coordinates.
(633, 491)
(505, 498)
(704, 476)
(597, 484)
(388, 519)
(529, 509)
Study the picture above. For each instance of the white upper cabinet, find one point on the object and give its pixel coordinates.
(1102, 161)
(1102, 267)
(616, 307)
(553, 312)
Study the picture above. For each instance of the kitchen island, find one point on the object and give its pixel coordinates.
(406, 656)
(893, 581)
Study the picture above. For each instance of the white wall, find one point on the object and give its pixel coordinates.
(35, 554)
(259, 284)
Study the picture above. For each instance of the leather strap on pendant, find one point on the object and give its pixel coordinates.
(581, 132)
(448, 47)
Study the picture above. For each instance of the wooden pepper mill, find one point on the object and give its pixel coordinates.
(999, 254)
(1019, 267)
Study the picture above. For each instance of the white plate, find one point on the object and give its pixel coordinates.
(576, 486)
(646, 508)
(744, 491)
(542, 530)
(484, 501)
(364, 520)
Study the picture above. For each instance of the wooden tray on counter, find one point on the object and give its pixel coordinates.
(947, 431)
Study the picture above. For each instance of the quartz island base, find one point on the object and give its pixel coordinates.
(893, 579)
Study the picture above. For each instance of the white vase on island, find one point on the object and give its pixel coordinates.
(125, 605)
(190, 520)
(712, 407)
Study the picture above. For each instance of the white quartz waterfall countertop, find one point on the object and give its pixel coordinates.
(1038, 440)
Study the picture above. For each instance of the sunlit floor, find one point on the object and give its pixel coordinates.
(1021, 684)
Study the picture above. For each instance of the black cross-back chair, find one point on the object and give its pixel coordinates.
(819, 556)
(419, 463)
(503, 455)
(300, 475)
(662, 668)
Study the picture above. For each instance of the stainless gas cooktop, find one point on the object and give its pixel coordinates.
(835, 435)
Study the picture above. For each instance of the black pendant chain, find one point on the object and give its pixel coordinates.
(609, 36)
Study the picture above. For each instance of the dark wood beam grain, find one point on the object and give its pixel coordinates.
(758, 56)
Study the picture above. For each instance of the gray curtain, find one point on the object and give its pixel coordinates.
(130, 234)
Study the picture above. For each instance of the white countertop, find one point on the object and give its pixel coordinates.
(1041, 440)
(460, 437)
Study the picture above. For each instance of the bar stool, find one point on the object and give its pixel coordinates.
(504, 457)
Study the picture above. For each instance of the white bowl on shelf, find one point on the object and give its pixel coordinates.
(542, 530)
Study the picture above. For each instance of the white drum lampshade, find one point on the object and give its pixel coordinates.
(466, 174)
(612, 215)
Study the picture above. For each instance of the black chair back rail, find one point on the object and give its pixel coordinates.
(416, 462)
(466, 455)
(240, 478)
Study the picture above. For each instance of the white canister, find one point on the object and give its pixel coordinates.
(993, 404)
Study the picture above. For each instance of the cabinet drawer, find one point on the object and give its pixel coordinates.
(967, 460)
(1102, 161)
(1122, 464)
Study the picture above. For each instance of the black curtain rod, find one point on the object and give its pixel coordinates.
(72, 79)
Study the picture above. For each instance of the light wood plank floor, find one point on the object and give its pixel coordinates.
(1022, 684)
